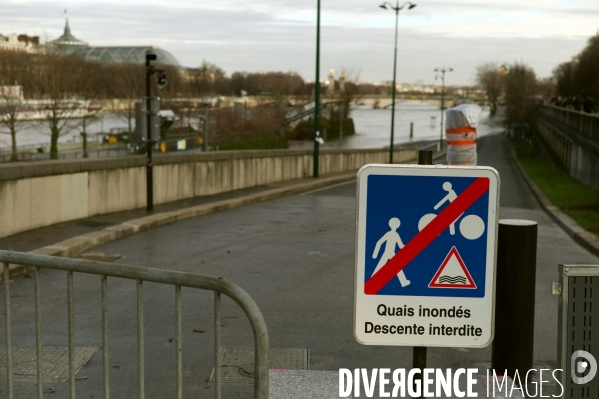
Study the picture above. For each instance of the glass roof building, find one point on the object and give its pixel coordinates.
(67, 39)
(121, 55)
(69, 44)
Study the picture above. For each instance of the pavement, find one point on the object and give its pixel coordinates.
(72, 238)
(291, 247)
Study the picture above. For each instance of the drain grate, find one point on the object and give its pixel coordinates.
(55, 362)
(237, 363)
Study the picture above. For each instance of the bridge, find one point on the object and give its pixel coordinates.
(385, 101)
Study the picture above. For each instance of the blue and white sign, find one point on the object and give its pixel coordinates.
(425, 255)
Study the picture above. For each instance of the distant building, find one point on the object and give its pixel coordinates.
(11, 92)
(331, 82)
(69, 44)
(418, 87)
(14, 42)
(67, 40)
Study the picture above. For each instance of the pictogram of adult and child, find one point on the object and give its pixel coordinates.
(471, 227)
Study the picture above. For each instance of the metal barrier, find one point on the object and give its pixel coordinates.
(582, 122)
(559, 143)
(141, 275)
(115, 151)
(572, 141)
(577, 334)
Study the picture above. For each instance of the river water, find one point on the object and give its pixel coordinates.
(373, 128)
(34, 134)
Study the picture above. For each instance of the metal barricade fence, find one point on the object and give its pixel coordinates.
(578, 335)
(141, 275)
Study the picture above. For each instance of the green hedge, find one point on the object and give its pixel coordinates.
(255, 143)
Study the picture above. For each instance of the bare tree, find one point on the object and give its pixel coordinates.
(205, 80)
(14, 71)
(11, 107)
(587, 69)
(128, 85)
(349, 90)
(282, 83)
(520, 88)
(89, 92)
(546, 87)
(489, 76)
(61, 81)
(580, 77)
(564, 76)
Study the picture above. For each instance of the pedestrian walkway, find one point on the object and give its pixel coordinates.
(51, 235)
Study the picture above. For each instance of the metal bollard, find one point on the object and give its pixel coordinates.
(411, 129)
(515, 297)
(425, 157)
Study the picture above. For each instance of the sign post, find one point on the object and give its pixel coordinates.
(419, 352)
(425, 256)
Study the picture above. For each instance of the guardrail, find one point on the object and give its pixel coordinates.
(584, 123)
(573, 140)
(78, 154)
(141, 275)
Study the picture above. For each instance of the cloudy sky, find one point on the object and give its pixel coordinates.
(266, 35)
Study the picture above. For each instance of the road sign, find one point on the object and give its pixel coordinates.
(425, 255)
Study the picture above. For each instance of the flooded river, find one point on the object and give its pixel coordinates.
(372, 128)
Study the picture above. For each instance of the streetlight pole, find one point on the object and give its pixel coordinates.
(442, 71)
(150, 70)
(317, 138)
(386, 5)
(149, 173)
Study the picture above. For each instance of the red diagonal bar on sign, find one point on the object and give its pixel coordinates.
(468, 197)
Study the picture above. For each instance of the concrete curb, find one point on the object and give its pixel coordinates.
(585, 238)
(78, 244)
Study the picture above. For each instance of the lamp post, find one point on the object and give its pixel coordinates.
(317, 139)
(386, 5)
(442, 72)
(150, 70)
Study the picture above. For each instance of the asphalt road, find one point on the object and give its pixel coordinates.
(295, 257)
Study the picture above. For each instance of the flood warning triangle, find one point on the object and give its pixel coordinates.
(452, 273)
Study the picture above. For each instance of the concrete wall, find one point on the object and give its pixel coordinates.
(579, 160)
(584, 166)
(39, 194)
